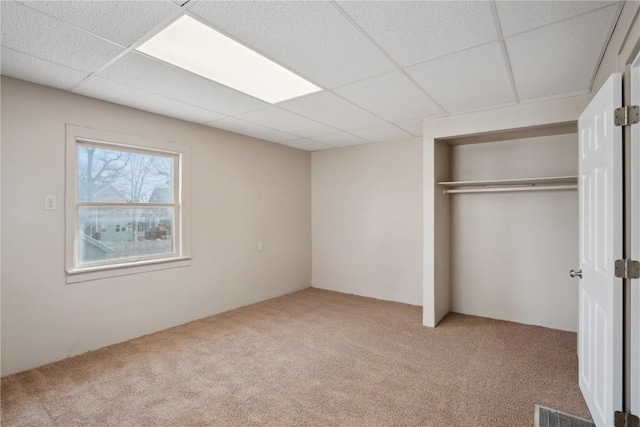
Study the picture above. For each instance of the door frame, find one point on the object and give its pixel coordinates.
(631, 294)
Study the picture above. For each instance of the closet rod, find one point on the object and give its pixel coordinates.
(510, 189)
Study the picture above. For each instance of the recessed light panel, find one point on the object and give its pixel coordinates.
(196, 47)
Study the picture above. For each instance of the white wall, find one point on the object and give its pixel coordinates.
(243, 190)
(511, 252)
(367, 220)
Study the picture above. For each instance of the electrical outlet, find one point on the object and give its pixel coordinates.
(50, 203)
(260, 246)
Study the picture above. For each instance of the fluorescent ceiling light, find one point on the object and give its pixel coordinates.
(192, 45)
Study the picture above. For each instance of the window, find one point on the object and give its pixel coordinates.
(125, 201)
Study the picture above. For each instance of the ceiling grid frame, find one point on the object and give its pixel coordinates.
(237, 38)
(324, 88)
(503, 48)
(140, 41)
(237, 117)
(604, 48)
(398, 67)
(620, 4)
(542, 20)
(275, 106)
(75, 27)
(559, 25)
(191, 3)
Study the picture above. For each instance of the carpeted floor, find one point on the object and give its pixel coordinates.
(310, 358)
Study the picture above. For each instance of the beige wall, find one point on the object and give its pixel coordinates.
(511, 252)
(367, 220)
(243, 190)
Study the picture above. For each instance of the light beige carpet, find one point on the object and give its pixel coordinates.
(310, 358)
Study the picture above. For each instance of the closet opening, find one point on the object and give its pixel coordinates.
(506, 225)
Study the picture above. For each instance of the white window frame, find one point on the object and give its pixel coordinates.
(181, 256)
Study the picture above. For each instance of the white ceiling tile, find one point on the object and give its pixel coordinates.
(560, 58)
(392, 96)
(311, 38)
(466, 81)
(275, 118)
(123, 22)
(382, 133)
(554, 48)
(233, 124)
(414, 127)
(34, 33)
(518, 16)
(25, 67)
(146, 73)
(341, 139)
(108, 90)
(307, 145)
(329, 108)
(415, 31)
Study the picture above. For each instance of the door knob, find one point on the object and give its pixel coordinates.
(574, 273)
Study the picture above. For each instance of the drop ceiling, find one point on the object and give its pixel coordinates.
(384, 66)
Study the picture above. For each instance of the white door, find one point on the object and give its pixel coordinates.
(600, 198)
(635, 242)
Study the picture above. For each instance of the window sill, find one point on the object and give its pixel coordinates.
(105, 272)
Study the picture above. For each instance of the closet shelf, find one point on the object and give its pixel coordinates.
(511, 185)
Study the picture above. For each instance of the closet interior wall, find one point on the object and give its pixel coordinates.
(510, 253)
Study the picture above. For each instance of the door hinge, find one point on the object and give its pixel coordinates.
(627, 269)
(625, 116)
(625, 419)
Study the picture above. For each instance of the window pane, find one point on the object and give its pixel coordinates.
(124, 233)
(111, 175)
